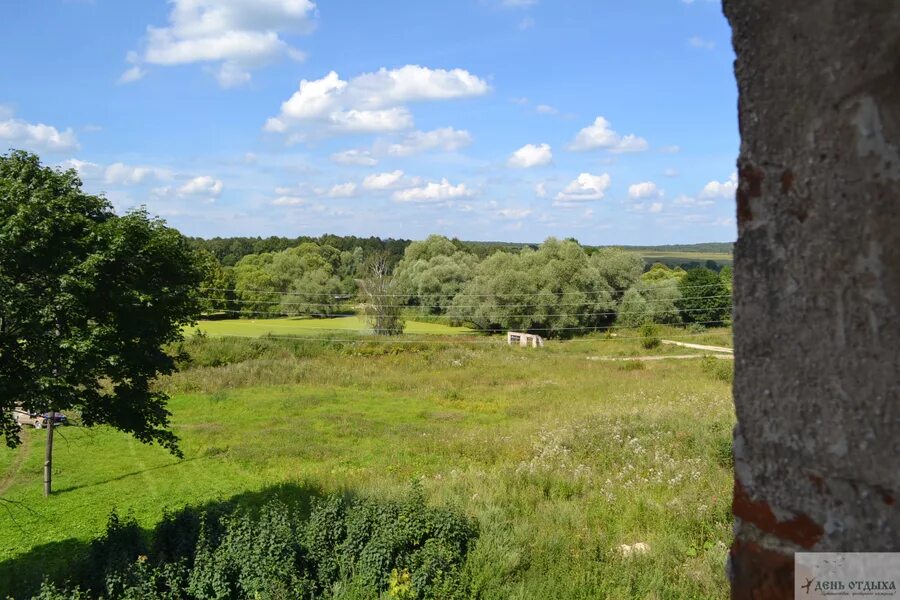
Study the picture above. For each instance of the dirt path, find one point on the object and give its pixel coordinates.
(674, 356)
(16, 465)
(701, 347)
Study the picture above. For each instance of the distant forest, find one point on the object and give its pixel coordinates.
(228, 251)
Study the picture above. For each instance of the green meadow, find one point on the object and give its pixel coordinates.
(560, 459)
(312, 327)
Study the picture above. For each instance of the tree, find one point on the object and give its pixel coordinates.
(89, 299)
(705, 299)
(619, 268)
(379, 293)
(433, 272)
(556, 290)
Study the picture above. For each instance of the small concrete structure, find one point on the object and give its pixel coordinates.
(524, 339)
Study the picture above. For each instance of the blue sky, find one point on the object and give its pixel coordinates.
(611, 122)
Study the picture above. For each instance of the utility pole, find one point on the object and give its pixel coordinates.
(48, 456)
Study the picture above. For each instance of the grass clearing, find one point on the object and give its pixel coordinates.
(312, 327)
(559, 459)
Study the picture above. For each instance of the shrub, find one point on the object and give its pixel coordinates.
(347, 547)
(649, 336)
(717, 368)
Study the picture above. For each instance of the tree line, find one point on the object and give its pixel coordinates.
(558, 288)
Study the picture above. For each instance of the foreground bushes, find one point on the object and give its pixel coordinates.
(347, 549)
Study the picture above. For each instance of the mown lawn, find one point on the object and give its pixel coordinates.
(559, 458)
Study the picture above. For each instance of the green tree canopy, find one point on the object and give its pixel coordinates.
(433, 272)
(555, 290)
(705, 298)
(89, 299)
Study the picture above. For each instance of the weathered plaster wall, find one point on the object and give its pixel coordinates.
(817, 284)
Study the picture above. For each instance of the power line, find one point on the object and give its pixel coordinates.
(583, 328)
(547, 293)
(278, 302)
(509, 316)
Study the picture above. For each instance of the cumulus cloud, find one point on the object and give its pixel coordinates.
(720, 189)
(383, 181)
(342, 190)
(433, 192)
(122, 174)
(203, 185)
(235, 35)
(84, 168)
(361, 158)
(445, 138)
(600, 134)
(585, 187)
(645, 189)
(36, 137)
(540, 189)
(531, 155)
(371, 102)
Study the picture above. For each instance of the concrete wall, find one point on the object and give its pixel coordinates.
(817, 284)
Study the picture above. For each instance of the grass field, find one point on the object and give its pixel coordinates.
(560, 459)
(313, 327)
(672, 257)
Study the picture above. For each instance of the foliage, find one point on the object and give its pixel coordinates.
(556, 290)
(379, 291)
(619, 268)
(704, 298)
(404, 548)
(433, 272)
(651, 301)
(309, 279)
(650, 336)
(88, 300)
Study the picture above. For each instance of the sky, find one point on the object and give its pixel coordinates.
(511, 120)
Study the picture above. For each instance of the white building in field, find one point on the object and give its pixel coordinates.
(524, 339)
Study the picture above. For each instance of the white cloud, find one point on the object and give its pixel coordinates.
(540, 190)
(645, 189)
(203, 185)
(237, 35)
(720, 189)
(670, 149)
(132, 74)
(519, 3)
(445, 138)
(526, 23)
(362, 158)
(289, 201)
(653, 207)
(6, 112)
(585, 187)
(630, 143)
(600, 134)
(122, 174)
(433, 192)
(84, 168)
(371, 102)
(514, 213)
(698, 42)
(36, 137)
(546, 109)
(531, 155)
(342, 190)
(670, 172)
(382, 181)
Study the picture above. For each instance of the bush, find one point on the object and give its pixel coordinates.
(650, 336)
(347, 547)
(720, 369)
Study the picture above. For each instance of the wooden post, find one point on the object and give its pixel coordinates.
(48, 458)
